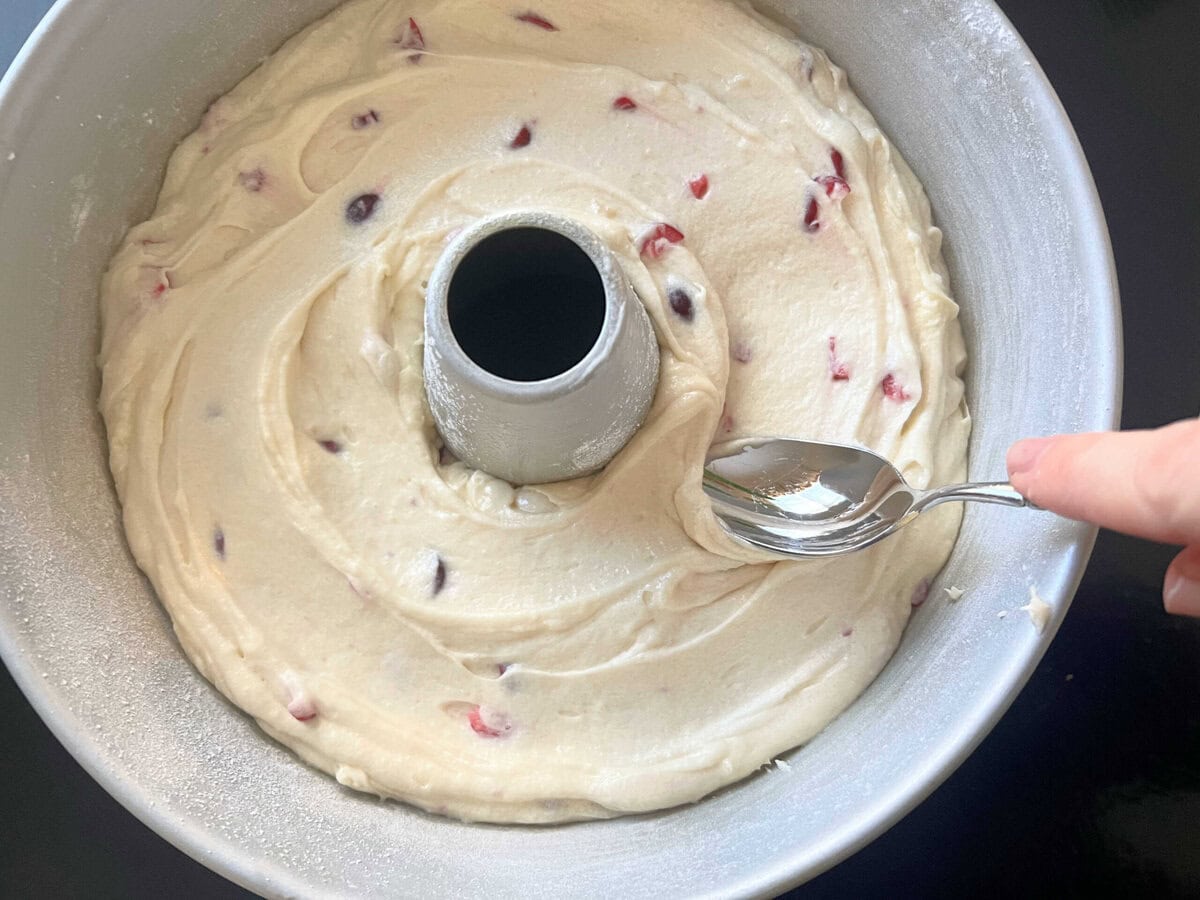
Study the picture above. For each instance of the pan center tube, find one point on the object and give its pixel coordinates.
(540, 360)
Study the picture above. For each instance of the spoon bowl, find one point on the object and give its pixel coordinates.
(799, 498)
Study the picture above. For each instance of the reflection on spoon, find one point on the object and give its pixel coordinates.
(801, 498)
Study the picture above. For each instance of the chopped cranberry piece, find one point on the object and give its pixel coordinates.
(839, 164)
(532, 18)
(812, 213)
(625, 104)
(361, 208)
(254, 180)
(501, 668)
(522, 139)
(847, 631)
(892, 389)
(837, 368)
(498, 728)
(742, 352)
(836, 187)
(920, 593)
(656, 240)
(699, 186)
(330, 446)
(358, 587)
(806, 66)
(411, 37)
(219, 543)
(370, 117)
(301, 708)
(681, 303)
(439, 577)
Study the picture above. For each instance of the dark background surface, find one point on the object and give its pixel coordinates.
(1091, 783)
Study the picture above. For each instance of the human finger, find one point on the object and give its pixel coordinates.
(1181, 587)
(1145, 483)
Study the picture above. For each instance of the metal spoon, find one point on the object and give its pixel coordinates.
(811, 499)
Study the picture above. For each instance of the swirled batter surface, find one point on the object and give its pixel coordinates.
(427, 632)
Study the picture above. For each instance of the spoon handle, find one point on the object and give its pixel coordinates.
(984, 492)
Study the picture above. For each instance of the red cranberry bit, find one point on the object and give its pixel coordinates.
(726, 423)
(330, 446)
(501, 668)
(812, 213)
(358, 588)
(742, 352)
(892, 389)
(681, 304)
(254, 180)
(835, 188)
(920, 593)
(839, 164)
(219, 543)
(806, 66)
(367, 119)
(837, 368)
(657, 240)
(301, 708)
(624, 104)
(151, 283)
(847, 631)
(522, 139)
(411, 38)
(439, 577)
(361, 208)
(699, 186)
(499, 728)
(532, 18)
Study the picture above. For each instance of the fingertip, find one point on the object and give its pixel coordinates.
(1139, 482)
(1181, 596)
(1181, 587)
(1023, 456)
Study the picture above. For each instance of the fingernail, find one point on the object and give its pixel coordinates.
(1024, 455)
(1181, 596)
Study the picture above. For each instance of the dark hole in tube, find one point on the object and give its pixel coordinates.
(526, 304)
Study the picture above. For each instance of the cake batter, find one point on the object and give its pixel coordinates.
(427, 632)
